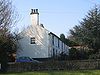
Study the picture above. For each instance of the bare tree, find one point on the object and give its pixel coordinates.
(7, 16)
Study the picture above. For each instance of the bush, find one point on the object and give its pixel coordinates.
(95, 56)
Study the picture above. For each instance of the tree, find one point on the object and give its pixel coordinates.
(7, 39)
(87, 33)
(67, 41)
(62, 37)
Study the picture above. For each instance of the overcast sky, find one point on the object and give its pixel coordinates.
(57, 16)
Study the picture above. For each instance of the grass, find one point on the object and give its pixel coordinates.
(80, 72)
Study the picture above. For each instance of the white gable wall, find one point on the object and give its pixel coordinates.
(38, 50)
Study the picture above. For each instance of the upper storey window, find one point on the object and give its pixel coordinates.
(52, 39)
(32, 40)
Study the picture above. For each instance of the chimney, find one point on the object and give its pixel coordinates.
(34, 17)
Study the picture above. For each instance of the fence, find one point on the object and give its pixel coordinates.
(55, 65)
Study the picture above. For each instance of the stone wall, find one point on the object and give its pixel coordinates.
(55, 65)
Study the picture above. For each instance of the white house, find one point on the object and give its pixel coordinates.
(38, 42)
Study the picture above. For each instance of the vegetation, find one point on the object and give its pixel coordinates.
(87, 34)
(80, 72)
(69, 42)
(7, 39)
(78, 54)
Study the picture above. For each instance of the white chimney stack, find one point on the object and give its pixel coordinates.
(34, 17)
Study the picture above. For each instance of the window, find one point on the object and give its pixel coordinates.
(52, 39)
(53, 52)
(62, 45)
(58, 43)
(56, 52)
(33, 40)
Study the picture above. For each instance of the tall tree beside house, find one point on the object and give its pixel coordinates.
(7, 39)
(67, 40)
(87, 33)
(62, 37)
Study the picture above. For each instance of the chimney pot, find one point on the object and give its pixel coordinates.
(31, 11)
(36, 10)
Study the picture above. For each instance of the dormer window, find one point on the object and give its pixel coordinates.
(32, 40)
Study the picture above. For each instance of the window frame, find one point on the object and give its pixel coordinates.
(32, 40)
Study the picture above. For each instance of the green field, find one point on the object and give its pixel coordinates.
(81, 72)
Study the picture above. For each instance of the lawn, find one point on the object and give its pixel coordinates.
(81, 72)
